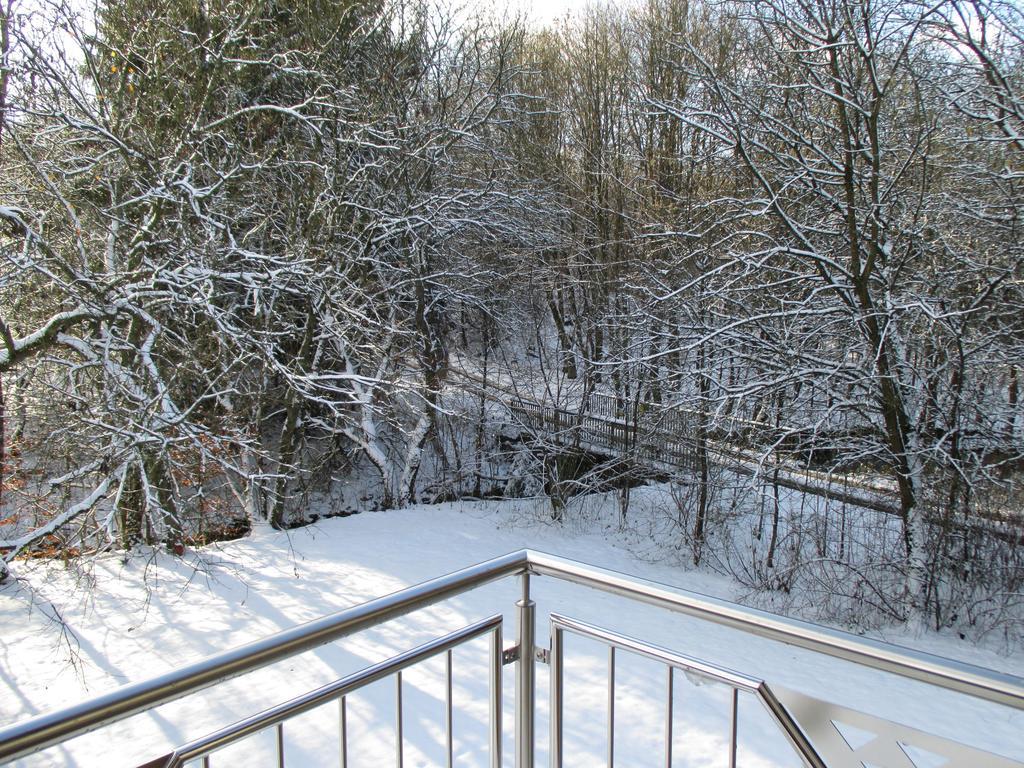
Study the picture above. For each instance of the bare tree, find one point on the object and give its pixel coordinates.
(827, 114)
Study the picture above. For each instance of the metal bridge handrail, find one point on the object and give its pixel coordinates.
(54, 727)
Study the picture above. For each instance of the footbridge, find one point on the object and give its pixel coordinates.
(671, 438)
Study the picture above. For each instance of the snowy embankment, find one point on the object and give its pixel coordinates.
(141, 618)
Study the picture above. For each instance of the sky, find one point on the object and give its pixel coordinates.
(542, 12)
(546, 11)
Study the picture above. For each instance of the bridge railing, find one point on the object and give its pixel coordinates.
(814, 727)
(664, 437)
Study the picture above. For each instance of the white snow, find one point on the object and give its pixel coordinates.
(155, 612)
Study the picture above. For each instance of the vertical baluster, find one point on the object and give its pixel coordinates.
(343, 727)
(556, 697)
(448, 709)
(611, 706)
(496, 671)
(732, 737)
(669, 710)
(206, 761)
(280, 745)
(398, 738)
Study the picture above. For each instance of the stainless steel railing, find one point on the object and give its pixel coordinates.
(810, 724)
(275, 717)
(924, 667)
(672, 662)
(52, 728)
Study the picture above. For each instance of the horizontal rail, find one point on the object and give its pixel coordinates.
(326, 693)
(915, 665)
(54, 727)
(656, 653)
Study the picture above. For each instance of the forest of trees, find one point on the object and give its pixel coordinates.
(246, 247)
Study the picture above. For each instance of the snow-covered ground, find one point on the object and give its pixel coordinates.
(135, 619)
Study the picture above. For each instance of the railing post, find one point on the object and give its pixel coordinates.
(556, 697)
(525, 698)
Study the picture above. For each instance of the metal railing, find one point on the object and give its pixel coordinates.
(812, 726)
(275, 717)
(672, 661)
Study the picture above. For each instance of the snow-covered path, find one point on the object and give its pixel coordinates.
(143, 618)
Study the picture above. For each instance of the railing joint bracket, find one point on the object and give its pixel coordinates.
(543, 655)
(510, 655)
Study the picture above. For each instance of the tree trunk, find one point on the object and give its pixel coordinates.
(480, 432)
(700, 523)
(130, 506)
(565, 350)
(159, 478)
(1013, 395)
(289, 431)
(5, 45)
(773, 538)
(3, 443)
